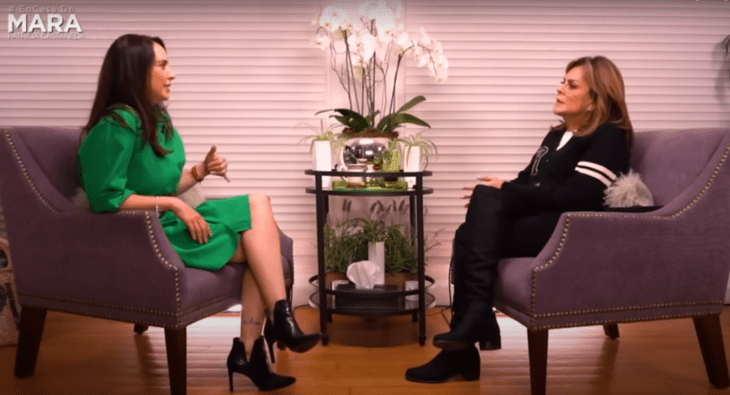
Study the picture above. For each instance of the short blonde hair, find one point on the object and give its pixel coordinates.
(606, 87)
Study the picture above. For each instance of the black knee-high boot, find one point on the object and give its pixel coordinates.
(490, 338)
(475, 259)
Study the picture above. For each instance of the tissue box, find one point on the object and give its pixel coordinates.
(368, 299)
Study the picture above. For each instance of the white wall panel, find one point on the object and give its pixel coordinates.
(247, 74)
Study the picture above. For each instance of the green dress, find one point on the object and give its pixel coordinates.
(115, 162)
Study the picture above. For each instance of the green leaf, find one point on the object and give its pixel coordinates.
(408, 118)
(352, 119)
(371, 118)
(411, 104)
(319, 112)
(342, 120)
(384, 124)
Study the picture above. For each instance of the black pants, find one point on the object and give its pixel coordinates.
(489, 234)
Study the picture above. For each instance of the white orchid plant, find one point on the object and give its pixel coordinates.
(367, 49)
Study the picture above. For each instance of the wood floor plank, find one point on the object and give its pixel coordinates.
(81, 355)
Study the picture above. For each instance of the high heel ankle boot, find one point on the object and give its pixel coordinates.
(257, 369)
(286, 330)
(446, 365)
(270, 339)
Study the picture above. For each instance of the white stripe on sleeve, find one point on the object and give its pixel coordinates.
(598, 176)
(599, 168)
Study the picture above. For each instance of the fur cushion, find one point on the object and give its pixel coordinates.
(628, 191)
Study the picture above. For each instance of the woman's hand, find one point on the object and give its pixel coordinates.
(198, 228)
(215, 164)
(493, 182)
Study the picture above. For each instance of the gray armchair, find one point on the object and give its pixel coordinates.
(604, 268)
(116, 266)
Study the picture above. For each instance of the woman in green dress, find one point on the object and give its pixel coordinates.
(132, 158)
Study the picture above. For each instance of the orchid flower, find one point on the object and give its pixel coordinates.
(438, 48)
(322, 41)
(366, 52)
(419, 55)
(403, 42)
(332, 18)
(363, 44)
(358, 68)
(425, 39)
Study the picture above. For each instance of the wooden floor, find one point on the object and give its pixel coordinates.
(81, 355)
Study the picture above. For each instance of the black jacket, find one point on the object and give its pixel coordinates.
(572, 178)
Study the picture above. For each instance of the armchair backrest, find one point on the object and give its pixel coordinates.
(40, 167)
(39, 177)
(670, 161)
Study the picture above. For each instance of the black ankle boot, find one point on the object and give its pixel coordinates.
(270, 339)
(446, 365)
(489, 339)
(287, 331)
(469, 331)
(257, 369)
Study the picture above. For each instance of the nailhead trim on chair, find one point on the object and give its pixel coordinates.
(604, 322)
(190, 310)
(564, 238)
(630, 308)
(176, 325)
(105, 305)
(147, 219)
(160, 257)
(6, 132)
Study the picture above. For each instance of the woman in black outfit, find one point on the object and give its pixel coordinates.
(570, 171)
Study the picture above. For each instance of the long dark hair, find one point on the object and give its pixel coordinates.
(607, 90)
(123, 81)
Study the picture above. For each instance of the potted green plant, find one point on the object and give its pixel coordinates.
(357, 125)
(324, 142)
(324, 134)
(367, 49)
(373, 233)
(417, 150)
(343, 245)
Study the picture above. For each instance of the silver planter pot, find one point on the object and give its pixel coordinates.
(363, 149)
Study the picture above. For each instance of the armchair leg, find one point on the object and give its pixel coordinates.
(140, 329)
(176, 344)
(32, 321)
(709, 334)
(537, 343)
(611, 330)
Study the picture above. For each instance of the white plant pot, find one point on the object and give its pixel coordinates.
(376, 254)
(322, 159)
(412, 162)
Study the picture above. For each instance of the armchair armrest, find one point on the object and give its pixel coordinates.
(632, 260)
(117, 260)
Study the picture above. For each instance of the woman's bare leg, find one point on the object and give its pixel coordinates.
(252, 313)
(260, 248)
